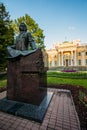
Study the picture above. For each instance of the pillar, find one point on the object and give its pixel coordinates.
(59, 59)
(75, 59)
(62, 58)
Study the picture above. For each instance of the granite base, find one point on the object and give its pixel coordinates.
(26, 110)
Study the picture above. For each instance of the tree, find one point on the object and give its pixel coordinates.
(6, 35)
(32, 27)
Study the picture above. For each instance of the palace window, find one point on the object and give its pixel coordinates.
(63, 62)
(69, 61)
(86, 53)
(55, 63)
(55, 57)
(79, 53)
(50, 63)
(79, 62)
(86, 61)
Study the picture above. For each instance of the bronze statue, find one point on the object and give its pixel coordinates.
(22, 43)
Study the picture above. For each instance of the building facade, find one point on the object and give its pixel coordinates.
(67, 54)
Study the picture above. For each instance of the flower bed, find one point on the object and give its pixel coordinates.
(69, 70)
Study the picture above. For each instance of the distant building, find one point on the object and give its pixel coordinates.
(67, 54)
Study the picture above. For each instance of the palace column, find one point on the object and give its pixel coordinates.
(59, 59)
(71, 57)
(62, 58)
(48, 61)
(53, 62)
(75, 59)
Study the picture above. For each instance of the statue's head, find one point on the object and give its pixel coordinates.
(23, 27)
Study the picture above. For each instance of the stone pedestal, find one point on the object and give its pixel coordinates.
(26, 78)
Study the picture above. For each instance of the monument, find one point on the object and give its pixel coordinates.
(26, 72)
(27, 94)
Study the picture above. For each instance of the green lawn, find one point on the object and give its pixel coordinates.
(79, 78)
(71, 75)
(56, 80)
(76, 78)
(3, 83)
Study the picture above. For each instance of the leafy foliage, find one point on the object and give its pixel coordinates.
(32, 27)
(6, 35)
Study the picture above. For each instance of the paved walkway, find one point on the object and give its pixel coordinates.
(61, 115)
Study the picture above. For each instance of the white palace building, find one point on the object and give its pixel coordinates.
(67, 54)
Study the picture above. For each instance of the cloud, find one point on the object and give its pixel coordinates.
(71, 28)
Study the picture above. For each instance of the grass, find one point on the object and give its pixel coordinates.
(69, 75)
(73, 78)
(3, 81)
(77, 78)
(78, 82)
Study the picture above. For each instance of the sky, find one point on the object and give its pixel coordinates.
(60, 20)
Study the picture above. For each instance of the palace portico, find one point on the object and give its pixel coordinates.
(67, 54)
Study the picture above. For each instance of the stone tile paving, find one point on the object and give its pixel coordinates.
(61, 115)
